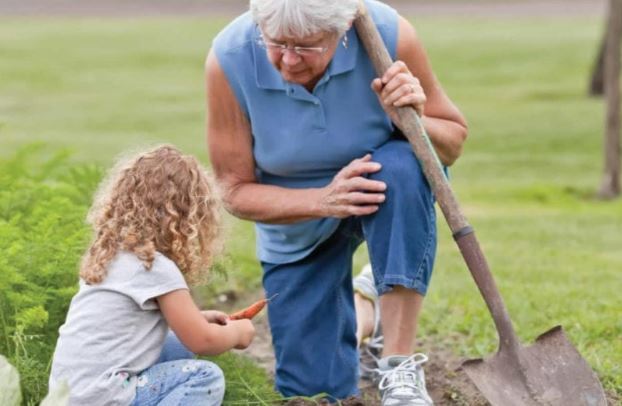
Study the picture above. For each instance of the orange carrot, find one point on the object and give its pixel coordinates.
(251, 311)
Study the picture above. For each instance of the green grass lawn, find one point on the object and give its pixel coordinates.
(526, 180)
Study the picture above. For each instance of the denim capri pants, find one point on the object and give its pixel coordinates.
(312, 319)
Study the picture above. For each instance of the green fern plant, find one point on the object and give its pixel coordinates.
(43, 202)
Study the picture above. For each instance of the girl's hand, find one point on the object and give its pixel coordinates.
(350, 193)
(214, 316)
(246, 333)
(398, 88)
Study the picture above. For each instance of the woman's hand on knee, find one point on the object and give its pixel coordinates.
(351, 193)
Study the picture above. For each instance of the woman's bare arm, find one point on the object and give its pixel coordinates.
(230, 149)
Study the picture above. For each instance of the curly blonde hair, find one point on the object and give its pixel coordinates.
(162, 201)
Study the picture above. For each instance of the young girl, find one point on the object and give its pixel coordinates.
(156, 223)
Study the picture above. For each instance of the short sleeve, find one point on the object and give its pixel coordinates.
(163, 277)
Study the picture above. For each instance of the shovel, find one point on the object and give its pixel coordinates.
(549, 372)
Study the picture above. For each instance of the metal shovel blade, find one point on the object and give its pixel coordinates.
(549, 372)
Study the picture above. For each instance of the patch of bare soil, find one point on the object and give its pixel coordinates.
(352, 401)
(446, 384)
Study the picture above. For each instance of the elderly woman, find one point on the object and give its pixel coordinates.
(302, 140)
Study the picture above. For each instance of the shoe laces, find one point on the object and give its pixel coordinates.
(406, 377)
(372, 349)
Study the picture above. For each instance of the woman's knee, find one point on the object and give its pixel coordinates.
(398, 161)
(401, 171)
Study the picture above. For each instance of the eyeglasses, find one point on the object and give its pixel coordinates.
(301, 51)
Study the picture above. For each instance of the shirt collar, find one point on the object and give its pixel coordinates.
(344, 60)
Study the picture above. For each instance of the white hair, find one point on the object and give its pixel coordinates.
(302, 18)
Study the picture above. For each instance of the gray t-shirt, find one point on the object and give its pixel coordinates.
(114, 330)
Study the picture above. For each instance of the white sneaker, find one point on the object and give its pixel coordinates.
(369, 356)
(371, 349)
(402, 381)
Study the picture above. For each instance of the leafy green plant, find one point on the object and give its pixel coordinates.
(246, 383)
(43, 201)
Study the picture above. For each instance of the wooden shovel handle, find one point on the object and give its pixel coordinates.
(463, 233)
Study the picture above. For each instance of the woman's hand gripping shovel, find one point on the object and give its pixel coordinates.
(549, 372)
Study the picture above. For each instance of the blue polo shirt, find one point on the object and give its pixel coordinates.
(301, 139)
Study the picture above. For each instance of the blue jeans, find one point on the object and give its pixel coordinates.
(179, 379)
(312, 319)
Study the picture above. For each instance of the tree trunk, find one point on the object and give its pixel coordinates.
(596, 84)
(610, 186)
